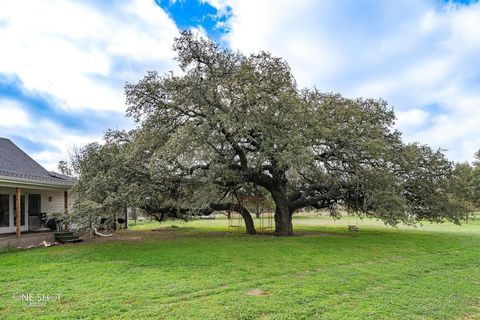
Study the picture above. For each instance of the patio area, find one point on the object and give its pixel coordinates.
(27, 239)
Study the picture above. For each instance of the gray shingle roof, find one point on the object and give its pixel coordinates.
(16, 164)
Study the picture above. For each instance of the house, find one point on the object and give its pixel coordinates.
(27, 191)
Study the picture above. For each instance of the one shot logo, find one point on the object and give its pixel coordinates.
(36, 299)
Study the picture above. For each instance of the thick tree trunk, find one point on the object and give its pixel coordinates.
(283, 217)
(247, 217)
(283, 222)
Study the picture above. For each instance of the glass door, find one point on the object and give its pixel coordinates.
(4, 212)
(34, 208)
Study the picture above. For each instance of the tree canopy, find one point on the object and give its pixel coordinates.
(228, 123)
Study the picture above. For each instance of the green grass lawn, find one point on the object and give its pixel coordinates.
(201, 270)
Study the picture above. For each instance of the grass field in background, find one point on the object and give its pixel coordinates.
(202, 270)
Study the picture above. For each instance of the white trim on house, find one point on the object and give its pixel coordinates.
(19, 182)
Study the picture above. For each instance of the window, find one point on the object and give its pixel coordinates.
(4, 210)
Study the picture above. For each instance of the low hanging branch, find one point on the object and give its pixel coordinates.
(162, 213)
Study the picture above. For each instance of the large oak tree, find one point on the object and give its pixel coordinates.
(228, 123)
(228, 120)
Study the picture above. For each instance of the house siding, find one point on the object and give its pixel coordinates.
(56, 205)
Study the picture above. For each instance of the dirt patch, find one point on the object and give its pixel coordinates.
(167, 229)
(257, 292)
(129, 238)
(122, 236)
(177, 233)
(473, 316)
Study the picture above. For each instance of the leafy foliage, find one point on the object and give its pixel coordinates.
(230, 123)
(103, 188)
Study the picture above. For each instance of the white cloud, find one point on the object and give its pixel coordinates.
(415, 54)
(412, 118)
(12, 115)
(77, 56)
(54, 140)
(80, 56)
(422, 56)
(59, 142)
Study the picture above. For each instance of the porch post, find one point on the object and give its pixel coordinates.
(65, 207)
(18, 211)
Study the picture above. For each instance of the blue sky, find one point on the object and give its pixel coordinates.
(63, 65)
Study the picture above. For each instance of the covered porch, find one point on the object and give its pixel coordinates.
(23, 207)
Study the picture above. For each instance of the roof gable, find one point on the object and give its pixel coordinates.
(15, 163)
(13, 159)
